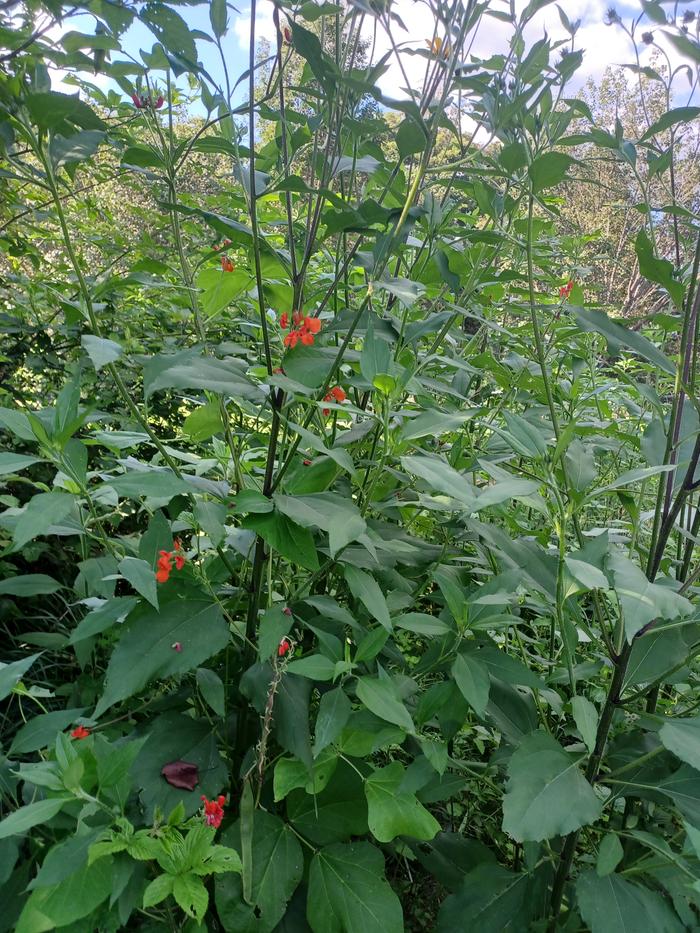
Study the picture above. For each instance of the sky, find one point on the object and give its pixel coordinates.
(603, 45)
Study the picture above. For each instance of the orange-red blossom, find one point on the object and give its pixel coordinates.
(304, 330)
(336, 394)
(166, 559)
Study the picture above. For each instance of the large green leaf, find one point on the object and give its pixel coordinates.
(188, 370)
(392, 812)
(657, 270)
(284, 536)
(621, 338)
(547, 795)
(364, 587)
(682, 737)
(490, 899)
(349, 894)
(641, 601)
(278, 865)
(614, 905)
(29, 584)
(174, 737)
(41, 730)
(334, 815)
(145, 650)
(71, 900)
(440, 476)
(13, 463)
(42, 512)
(11, 674)
(472, 678)
(34, 814)
(380, 698)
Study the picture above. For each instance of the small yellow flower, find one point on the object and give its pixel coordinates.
(439, 47)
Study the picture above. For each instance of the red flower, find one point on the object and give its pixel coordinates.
(159, 103)
(284, 320)
(80, 733)
(304, 329)
(214, 810)
(287, 611)
(226, 264)
(165, 562)
(565, 290)
(336, 394)
(283, 648)
(306, 462)
(287, 33)
(176, 646)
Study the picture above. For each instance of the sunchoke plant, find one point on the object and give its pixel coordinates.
(348, 536)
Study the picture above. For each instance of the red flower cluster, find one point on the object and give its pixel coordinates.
(165, 562)
(214, 810)
(226, 264)
(80, 733)
(565, 290)
(336, 394)
(305, 328)
(284, 647)
(143, 101)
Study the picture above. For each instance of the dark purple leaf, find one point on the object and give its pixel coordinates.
(181, 774)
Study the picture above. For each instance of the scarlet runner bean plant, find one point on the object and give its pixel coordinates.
(348, 573)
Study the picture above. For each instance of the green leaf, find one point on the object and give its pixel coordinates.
(549, 169)
(29, 584)
(333, 713)
(682, 737)
(191, 895)
(621, 338)
(75, 897)
(11, 674)
(278, 865)
(34, 814)
(642, 601)
(64, 859)
(375, 356)
(524, 437)
(65, 150)
(218, 17)
(671, 118)
(51, 110)
(114, 762)
(586, 719)
(610, 854)
(212, 689)
(13, 463)
(283, 535)
(141, 576)
(175, 737)
(313, 666)
(336, 814)
(162, 484)
(421, 623)
(440, 476)
(42, 512)
(472, 678)
(380, 698)
(410, 138)
(614, 905)
(145, 650)
(488, 900)
(160, 888)
(348, 892)
(365, 588)
(41, 730)
(170, 29)
(390, 812)
(100, 350)
(188, 370)
(657, 270)
(547, 795)
(204, 422)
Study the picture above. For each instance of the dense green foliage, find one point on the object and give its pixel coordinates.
(349, 476)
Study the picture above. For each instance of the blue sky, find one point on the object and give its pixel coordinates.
(603, 45)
